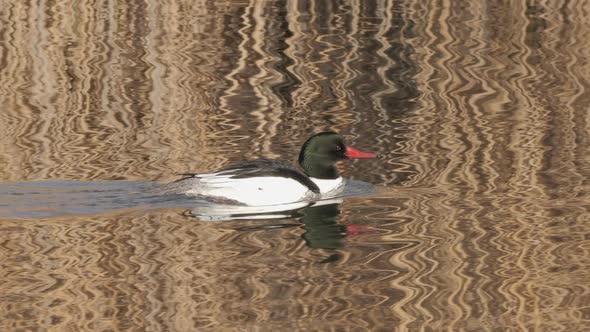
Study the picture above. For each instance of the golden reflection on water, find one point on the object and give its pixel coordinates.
(479, 109)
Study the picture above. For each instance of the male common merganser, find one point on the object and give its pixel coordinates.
(269, 182)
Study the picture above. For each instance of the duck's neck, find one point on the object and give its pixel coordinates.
(319, 168)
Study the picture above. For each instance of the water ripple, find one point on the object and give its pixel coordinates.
(479, 111)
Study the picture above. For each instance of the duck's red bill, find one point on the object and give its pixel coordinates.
(356, 154)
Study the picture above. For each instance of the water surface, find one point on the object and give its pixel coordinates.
(480, 111)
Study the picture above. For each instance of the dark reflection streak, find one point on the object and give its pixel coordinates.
(565, 15)
(49, 14)
(498, 29)
(401, 53)
(33, 133)
(324, 17)
(401, 103)
(156, 294)
(575, 120)
(396, 105)
(6, 38)
(113, 263)
(473, 92)
(551, 136)
(231, 38)
(240, 60)
(580, 125)
(489, 65)
(97, 65)
(284, 89)
(138, 85)
(69, 51)
(322, 46)
(534, 30)
(231, 41)
(571, 122)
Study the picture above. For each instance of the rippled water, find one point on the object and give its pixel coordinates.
(480, 110)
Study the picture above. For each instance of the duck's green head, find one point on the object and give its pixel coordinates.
(320, 153)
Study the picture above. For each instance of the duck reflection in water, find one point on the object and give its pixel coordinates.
(321, 226)
(320, 222)
(319, 219)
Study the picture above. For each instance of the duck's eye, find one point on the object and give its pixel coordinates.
(338, 148)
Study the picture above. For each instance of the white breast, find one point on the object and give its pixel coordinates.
(327, 186)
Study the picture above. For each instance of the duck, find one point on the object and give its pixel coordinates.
(264, 182)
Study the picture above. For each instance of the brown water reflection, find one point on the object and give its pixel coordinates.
(479, 109)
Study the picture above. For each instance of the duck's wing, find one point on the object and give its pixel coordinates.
(255, 168)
